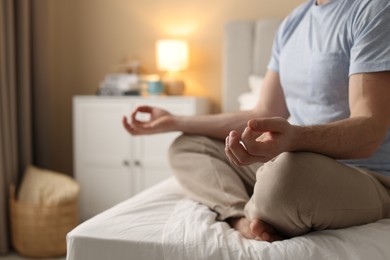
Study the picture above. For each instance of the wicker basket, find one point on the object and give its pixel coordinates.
(40, 231)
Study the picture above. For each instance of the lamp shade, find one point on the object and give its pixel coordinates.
(172, 55)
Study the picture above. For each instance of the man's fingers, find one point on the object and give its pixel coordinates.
(254, 143)
(234, 150)
(130, 127)
(229, 153)
(237, 152)
(141, 114)
(250, 134)
(146, 109)
(126, 125)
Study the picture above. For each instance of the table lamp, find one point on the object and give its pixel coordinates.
(172, 57)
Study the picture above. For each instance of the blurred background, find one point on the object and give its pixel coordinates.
(53, 50)
(77, 42)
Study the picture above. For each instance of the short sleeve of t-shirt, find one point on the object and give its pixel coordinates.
(368, 31)
(370, 35)
(274, 61)
(286, 28)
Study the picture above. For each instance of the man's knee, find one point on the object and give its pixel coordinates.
(280, 191)
(186, 144)
(188, 151)
(283, 174)
(278, 179)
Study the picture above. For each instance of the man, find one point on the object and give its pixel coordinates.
(328, 165)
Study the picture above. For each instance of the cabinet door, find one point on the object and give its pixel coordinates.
(151, 152)
(102, 155)
(151, 163)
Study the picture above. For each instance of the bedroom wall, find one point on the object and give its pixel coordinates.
(80, 41)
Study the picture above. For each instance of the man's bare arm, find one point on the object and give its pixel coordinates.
(359, 136)
(271, 103)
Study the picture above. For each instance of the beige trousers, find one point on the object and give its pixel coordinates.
(295, 192)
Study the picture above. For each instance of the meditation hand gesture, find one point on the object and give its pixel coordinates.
(262, 140)
(146, 120)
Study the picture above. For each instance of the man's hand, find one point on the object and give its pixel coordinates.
(262, 140)
(148, 120)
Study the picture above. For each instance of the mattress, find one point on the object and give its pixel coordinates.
(161, 223)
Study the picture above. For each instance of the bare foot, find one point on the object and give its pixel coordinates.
(264, 231)
(241, 224)
(256, 229)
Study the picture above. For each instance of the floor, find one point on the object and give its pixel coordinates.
(14, 256)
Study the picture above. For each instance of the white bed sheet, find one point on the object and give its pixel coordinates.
(161, 223)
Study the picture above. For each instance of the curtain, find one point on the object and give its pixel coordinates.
(15, 102)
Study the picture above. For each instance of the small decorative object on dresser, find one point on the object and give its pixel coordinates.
(154, 85)
(110, 164)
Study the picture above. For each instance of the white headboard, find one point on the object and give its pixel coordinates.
(247, 49)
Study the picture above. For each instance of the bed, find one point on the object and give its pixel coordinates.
(162, 223)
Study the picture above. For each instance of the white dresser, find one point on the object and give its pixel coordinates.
(110, 164)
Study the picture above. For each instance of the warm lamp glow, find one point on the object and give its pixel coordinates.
(172, 55)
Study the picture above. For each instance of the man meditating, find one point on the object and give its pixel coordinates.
(314, 153)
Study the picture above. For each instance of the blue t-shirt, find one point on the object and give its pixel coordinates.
(318, 47)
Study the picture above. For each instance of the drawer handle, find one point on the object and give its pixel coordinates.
(126, 163)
